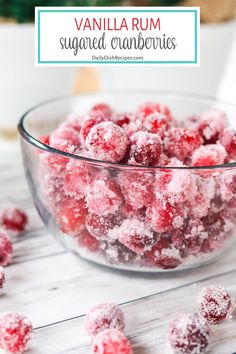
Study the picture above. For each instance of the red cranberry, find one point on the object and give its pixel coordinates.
(15, 333)
(215, 304)
(163, 216)
(71, 215)
(228, 140)
(104, 316)
(6, 249)
(103, 197)
(211, 124)
(189, 334)
(134, 234)
(111, 341)
(14, 219)
(99, 225)
(182, 142)
(164, 254)
(209, 155)
(145, 149)
(107, 141)
(94, 118)
(137, 188)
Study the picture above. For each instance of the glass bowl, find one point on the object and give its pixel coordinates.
(201, 228)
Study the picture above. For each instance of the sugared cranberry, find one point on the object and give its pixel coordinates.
(145, 149)
(219, 226)
(122, 119)
(215, 304)
(199, 202)
(156, 123)
(45, 139)
(67, 134)
(6, 249)
(103, 197)
(163, 216)
(94, 118)
(137, 188)
(104, 108)
(111, 341)
(99, 225)
(107, 141)
(15, 333)
(189, 239)
(152, 107)
(104, 316)
(175, 185)
(77, 179)
(13, 219)
(116, 253)
(71, 215)
(54, 162)
(189, 334)
(2, 279)
(134, 234)
(164, 254)
(209, 155)
(211, 124)
(228, 140)
(86, 240)
(182, 142)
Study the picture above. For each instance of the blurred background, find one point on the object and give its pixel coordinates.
(22, 85)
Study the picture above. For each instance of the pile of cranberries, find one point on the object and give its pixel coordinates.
(188, 333)
(118, 205)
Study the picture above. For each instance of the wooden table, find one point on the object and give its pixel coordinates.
(55, 288)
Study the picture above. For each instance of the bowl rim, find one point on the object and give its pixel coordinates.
(180, 94)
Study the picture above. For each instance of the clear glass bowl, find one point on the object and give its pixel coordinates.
(211, 215)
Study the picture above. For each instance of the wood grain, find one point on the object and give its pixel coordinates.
(52, 286)
(147, 321)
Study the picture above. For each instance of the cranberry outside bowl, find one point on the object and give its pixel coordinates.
(160, 197)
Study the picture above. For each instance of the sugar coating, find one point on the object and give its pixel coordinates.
(13, 219)
(107, 141)
(65, 133)
(103, 108)
(181, 142)
(122, 119)
(209, 155)
(227, 139)
(163, 216)
(145, 149)
(71, 215)
(99, 225)
(153, 107)
(187, 213)
(189, 334)
(104, 316)
(6, 248)
(111, 341)
(137, 188)
(94, 117)
(2, 279)
(103, 197)
(134, 234)
(156, 123)
(77, 179)
(215, 304)
(211, 124)
(15, 333)
(174, 185)
(164, 254)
